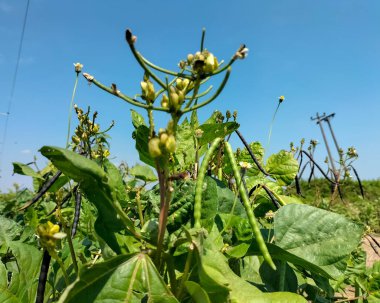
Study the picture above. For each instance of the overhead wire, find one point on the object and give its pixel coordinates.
(13, 87)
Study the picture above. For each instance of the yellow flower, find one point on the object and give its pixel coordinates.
(245, 165)
(281, 98)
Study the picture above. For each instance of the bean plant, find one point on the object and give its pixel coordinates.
(195, 221)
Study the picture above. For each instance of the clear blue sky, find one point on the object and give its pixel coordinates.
(322, 55)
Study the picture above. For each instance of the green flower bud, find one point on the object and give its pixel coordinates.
(174, 102)
(190, 58)
(163, 138)
(165, 101)
(154, 147)
(179, 84)
(95, 128)
(75, 139)
(181, 97)
(170, 144)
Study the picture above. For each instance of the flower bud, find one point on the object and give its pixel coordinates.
(170, 144)
(78, 67)
(190, 58)
(165, 101)
(95, 128)
(163, 138)
(179, 84)
(181, 97)
(75, 139)
(154, 147)
(174, 100)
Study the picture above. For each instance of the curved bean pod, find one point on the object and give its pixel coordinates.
(199, 185)
(251, 217)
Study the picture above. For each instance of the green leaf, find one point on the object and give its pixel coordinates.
(141, 135)
(26, 170)
(216, 130)
(218, 199)
(143, 172)
(271, 277)
(185, 152)
(220, 282)
(278, 253)
(9, 231)
(137, 119)
(194, 122)
(197, 293)
(283, 167)
(244, 156)
(101, 188)
(125, 278)
(23, 287)
(321, 237)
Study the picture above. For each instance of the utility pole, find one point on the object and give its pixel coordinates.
(319, 120)
(327, 119)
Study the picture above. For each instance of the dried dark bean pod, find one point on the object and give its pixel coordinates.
(42, 191)
(78, 203)
(319, 168)
(64, 200)
(359, 181)
(298, 187)
(43, 277)
(267, 190)
(251, 153)
(311, 172)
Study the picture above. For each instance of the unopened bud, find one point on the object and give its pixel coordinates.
(170, 144)
(154, 147)
(190, 58)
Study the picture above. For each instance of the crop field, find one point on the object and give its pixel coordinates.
(195, 220)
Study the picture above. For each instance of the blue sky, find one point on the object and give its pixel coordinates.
(322, 55)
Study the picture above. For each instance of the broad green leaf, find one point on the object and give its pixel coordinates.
(100, 188)
(23, 285)
(141, 135)
(181, 205)
(220, 282)
(197, 293)
(321, 237)
(143, 172)
(216, 130)
(125, 278)
(194, 122)
(244, 156)
(271, 277)
(26, 170)
(9, 231)
(185, 152)
(137, 119)
(283, 167)
(218, 199)
(278, 253)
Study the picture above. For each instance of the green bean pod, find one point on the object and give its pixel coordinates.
(251, 217)
(199, 184)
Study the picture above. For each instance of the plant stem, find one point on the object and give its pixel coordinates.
(165, 196)
(271, 125)
(186, 271)
(70, 110)
(211, 98)
(139, 208)
(282, 269)
(121, 95)
(72, 251)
